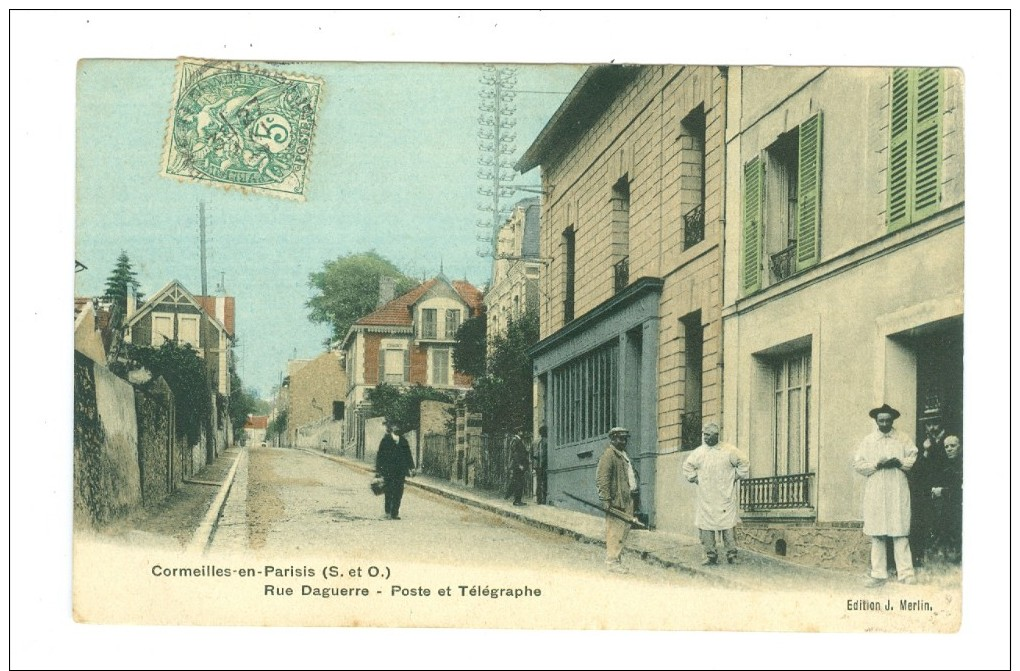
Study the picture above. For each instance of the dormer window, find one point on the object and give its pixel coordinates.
(428, 324)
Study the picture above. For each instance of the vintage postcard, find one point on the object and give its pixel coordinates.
(655, 345)
(589, 331)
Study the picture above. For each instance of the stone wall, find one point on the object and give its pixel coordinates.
(106, 474)
(154, 407)
(836, 545)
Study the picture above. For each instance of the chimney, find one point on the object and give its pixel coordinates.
(387, 287)
(130, 304)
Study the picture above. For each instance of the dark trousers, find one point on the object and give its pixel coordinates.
(394, 493)
(517, 484)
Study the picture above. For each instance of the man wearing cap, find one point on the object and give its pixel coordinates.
(884, 457)
(617, 486)
(923, 479)
(716, 468)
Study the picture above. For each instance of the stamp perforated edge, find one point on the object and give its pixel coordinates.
(258, 67)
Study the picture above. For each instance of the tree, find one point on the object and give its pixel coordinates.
(243, 402)
(504, 394)
(348, 289)
(121, 280)
(403, 405)
(185, 373)
(469, 352)
(278, 426)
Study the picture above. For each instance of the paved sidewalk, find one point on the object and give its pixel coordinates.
(672, 550)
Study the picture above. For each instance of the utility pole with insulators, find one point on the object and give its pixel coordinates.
(496, 139)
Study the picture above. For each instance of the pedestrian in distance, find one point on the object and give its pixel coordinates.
(617, 485)
(716, 468)
(884, 457)
(540, 460)
(393, 463)
(519, 460)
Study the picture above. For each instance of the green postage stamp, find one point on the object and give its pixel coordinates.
(241, 126)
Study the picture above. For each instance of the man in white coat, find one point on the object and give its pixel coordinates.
(884, 457)
(716, 468)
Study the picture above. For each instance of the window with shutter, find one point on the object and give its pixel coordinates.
(915, 145)
(809, 191)
(782, 207)
(754, 177)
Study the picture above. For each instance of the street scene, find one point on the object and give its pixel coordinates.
(576, 336)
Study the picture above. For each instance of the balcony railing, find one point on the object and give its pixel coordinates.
(780, 491)
(694, 226)
(690, 430)
(782, 263)
(621, 274)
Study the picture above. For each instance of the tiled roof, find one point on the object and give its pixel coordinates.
(257, 422)
(398, 311)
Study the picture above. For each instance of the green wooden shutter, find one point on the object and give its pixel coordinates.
(927, 133)
(754, 192)
(898, 210)
(407, 364)
(382, 365)
(809, 191)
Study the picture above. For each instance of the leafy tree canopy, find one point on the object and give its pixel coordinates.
(469, 352)
(185, 373)
(403, 404)
(121, 280)
(504, 394)
(348, 289)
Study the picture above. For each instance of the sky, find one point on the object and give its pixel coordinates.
(47, 234)
(393, 169)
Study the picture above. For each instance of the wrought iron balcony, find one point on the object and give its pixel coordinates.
(690, 430)
(621, 274)
(782, 263)
(780, 491)
(694, 226)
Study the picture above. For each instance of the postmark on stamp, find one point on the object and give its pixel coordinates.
(241, 126)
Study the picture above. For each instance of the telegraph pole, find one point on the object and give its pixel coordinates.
(496, 139)
(201, 233)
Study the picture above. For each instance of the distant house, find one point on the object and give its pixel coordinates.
(175, 314)
(408, 340)
(255, 429)
(316, 397)
(516, 269)
(92, 332)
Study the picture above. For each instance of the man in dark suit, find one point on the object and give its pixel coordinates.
(393, 463)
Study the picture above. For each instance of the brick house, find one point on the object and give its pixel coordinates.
(406, 341)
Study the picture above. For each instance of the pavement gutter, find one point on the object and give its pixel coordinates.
(203, 535)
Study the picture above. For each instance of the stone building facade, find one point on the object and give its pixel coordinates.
(633, 176)
(844, 285)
